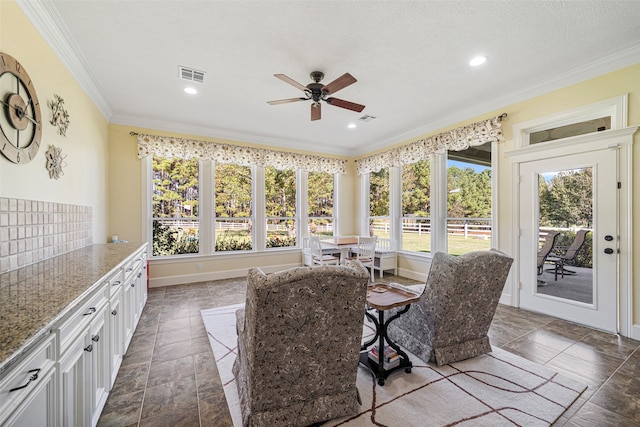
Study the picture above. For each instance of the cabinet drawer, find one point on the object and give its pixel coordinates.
(114, 283)
(80, 317)
(24, 377)
(132, 264)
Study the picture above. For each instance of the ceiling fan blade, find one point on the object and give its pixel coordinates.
(285, 101)
(345, 104)
(292, 82)
(316, 112)
(340, 83)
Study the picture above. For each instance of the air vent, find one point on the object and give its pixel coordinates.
(366, 118)
(191, 75)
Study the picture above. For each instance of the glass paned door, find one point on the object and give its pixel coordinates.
(568, 241)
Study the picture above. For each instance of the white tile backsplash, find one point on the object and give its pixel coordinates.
(32, 231)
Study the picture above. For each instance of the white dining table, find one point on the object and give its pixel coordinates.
(343, 244)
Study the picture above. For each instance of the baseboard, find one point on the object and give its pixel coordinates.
(213, 275)
(505, 299)
(409, 274)
(635, 332)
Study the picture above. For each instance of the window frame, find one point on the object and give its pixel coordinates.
(207, 211)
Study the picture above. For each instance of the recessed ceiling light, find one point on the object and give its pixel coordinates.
(478, 60)
(190, 90)
(351, 126)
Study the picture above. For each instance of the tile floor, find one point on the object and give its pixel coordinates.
(169, 378)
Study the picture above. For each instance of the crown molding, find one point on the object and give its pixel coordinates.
(622, 58)
(46, 20)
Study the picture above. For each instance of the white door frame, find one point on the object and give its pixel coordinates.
(622, 141)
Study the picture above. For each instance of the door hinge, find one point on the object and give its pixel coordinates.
(619, 185)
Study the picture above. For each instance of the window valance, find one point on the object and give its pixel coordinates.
(454, 140)
(227, 153)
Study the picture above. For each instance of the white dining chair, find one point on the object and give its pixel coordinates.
(317, 257)
(365, 252)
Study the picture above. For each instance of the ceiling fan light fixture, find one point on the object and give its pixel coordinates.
(478, 60)
(190, 90)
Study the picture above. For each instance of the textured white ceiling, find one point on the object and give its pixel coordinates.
(410, 59)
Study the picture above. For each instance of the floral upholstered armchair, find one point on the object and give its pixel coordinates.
(452, 318)
(298, 344)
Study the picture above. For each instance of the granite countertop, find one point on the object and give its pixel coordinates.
(35, 297)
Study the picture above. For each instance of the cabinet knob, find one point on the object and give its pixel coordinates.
(89, 348)
(114, 312)
(95, 338)
(33, 377)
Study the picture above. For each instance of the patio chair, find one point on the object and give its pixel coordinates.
(569, 255)
(545, 250)
(299, 341)
(451, 320)
(317, 256)
(365, 252)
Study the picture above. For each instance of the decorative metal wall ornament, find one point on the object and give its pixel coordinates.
(55, 162)
(59, 114)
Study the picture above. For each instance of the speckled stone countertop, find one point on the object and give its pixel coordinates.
(34, 298)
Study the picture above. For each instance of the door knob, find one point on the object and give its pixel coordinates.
(608, 251)
(608, 238)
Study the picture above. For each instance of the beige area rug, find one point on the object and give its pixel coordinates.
(497, 389)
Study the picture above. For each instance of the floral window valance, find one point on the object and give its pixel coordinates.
(227, 153)
(454, 140)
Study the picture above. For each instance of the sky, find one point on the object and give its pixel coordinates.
(463, 165)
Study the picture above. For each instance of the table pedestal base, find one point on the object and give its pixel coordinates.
(381, 335)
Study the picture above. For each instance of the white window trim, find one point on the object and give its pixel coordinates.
(206, 211)
(615, 107)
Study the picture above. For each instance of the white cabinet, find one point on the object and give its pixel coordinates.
(66, 378)
(28, 392)
(116, 332)
(85, 361)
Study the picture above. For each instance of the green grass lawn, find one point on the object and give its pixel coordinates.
(457, 244)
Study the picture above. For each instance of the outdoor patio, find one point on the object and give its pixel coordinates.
(575, 287)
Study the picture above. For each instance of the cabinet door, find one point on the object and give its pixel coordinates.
(40, 407)
(128, 303)
(74, 382)
(116, 333)
(100, 363)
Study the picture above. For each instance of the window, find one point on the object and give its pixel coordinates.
(174, 201)
(379, 219)
(233, 208)
(280, 202)
(416, 207)
(573, 129)
(469, 199)
(320, 203)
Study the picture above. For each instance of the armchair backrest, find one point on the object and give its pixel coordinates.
(303, 326)
(462, 293)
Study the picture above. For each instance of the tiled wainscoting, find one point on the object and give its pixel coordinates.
(32, 231)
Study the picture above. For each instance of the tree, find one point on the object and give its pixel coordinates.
(379, 193)
(416, 189)
(233, 191)
(567, 200)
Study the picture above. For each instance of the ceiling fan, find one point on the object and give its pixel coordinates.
(318, 92)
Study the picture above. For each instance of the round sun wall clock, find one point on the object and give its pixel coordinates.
(20, 122)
